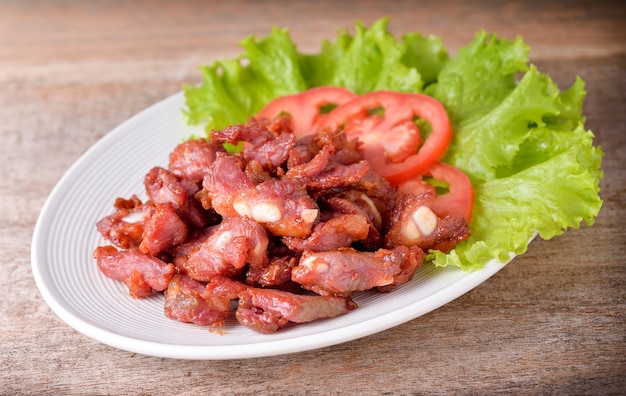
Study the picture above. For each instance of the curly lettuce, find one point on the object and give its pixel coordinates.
(520, 139)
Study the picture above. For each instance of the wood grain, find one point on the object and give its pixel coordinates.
(552, 321)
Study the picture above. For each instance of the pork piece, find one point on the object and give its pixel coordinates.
(356, 203)
(303, 151)
(163, 187)
(378, 189)
(283, 207)
(163, 229)
(347, 151)
(340, 231)
(190, 301)
(253, 133)
(276, 274)
(413, 258)
(414, 224)
(226, 287)
(194, 239)
(267, 310)
(322, 173)
(237, 241)
(142, 273)
(345, 270)
(256, 173)
(224, 182)
(192, 159)
(344, 151)
(269, 145)
(124, 228)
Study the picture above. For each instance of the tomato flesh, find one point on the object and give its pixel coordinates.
(458, 201)
(305, 108)
(399, 143)
(400, 109)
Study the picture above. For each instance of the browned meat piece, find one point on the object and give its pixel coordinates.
(303, 151)
(163, 187)
(283, 207)
(412, 259)
(192, 159)
(320, 173)
(371, 196)
(326, 160)
(343, 151)
(224, 182)
(378, 189)
(190, 301)
(226, 287)
(276, 274)
(195, 239)
(132, 203)
(255, 172)
(313, 166)
(269, 145)
(278, 124)
(124, 228)
(414, 224)
(337, 232)
(237, 241)
(197, 216)
(272, 153)
(357, 203)
(337, 175)
(163, 229)
(142, 273)
(348, 151)
(252, 134)
(346, 270)
(267, 310)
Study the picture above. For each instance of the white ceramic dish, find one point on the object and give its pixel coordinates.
(71, 283)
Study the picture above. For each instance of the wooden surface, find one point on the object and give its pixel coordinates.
(552, 321)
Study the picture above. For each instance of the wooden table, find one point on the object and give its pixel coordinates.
(552, 321)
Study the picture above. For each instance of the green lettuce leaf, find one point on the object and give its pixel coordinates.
(521, 140)
(370, 60)
(232, 90)
(557, 192)
(493, 64)
(484, 143)
(524, 146)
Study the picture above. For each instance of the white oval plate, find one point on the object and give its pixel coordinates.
(69, 280)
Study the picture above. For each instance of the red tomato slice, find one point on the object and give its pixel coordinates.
(399, 143)
(458, 201)
(305, 108)
(400, 109)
